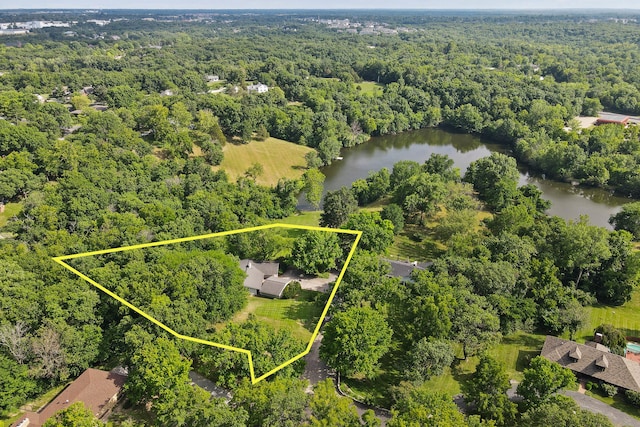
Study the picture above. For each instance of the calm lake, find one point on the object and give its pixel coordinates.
(568, 201)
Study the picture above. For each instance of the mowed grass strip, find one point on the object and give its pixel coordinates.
(279, 159)
(624, 317)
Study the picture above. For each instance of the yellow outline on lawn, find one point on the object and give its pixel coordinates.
(60, 260)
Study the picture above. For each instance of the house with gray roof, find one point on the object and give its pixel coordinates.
(403, 269)
(262, 278)
(593, 362)
(273, 287)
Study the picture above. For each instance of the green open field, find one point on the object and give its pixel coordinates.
(11, 209)
(280, 159)
(370, 88)
(311, 218)
(299, 316)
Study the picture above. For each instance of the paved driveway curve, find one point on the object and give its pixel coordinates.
(616, 416)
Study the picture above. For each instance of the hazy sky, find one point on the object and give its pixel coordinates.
(319, 4)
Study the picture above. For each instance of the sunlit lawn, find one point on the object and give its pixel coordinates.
(625, 317)
(370, 88)
(279, 159)
(311, 218)
(298, 316)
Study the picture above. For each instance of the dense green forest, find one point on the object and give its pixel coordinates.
(113, 136)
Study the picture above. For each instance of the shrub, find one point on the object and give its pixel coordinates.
(292, 290)
(589, 385)
(633, 397)
(608, 389)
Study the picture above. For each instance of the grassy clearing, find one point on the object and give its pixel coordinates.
(11, 209)
(370, 88)
(298, 316)
(280, 159)
(311, 218)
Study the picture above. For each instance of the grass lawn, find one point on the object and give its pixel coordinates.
(516, 351)
(370, 88)
(311, 218)
(11, 209)
(625, 317)
(299, 316)
(280, 159)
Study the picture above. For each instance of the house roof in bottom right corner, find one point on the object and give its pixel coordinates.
(593, 362)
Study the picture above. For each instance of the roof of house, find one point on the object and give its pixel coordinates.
(257, 86)
(598, 346)
(255, 276)
(593, 362)
(274, 286)
(605, 117)
(404, 268)
(267, 268)
(95, 388)
(257, 272)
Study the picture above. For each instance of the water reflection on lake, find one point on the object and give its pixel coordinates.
(568, 201)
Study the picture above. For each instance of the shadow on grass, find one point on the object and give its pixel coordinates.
(461, 373)
(377, 390)
(524, 359)
(524, 340)
(305, 312)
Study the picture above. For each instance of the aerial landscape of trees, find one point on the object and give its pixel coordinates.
(117, 136)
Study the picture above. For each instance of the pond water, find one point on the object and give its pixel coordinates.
(568, 201)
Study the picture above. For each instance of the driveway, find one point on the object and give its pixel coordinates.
(315, 369)
(210, 386)
(309, 282)
(616, 416)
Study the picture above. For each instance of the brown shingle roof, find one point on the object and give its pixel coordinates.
(95, 388)
(595, 363)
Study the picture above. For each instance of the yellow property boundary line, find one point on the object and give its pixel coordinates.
(60, 260)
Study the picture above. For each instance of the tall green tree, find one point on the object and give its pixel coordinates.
(419, 406)
(315, 252)
(75, 415)
(355, 340)
(330, 410)
(313, 186)
(628, 219)
(487, 391)
(337, 206)
(542, 379)
(495, 178)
